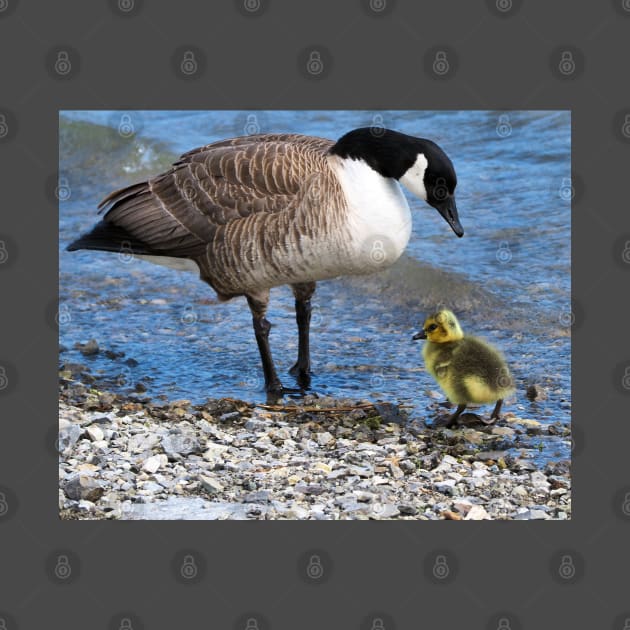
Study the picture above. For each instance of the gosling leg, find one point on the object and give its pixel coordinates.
(453, 419)
(302, 367)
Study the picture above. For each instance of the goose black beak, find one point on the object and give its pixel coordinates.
(448, 209)
(420, 335)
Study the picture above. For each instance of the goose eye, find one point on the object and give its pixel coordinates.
(432, 327)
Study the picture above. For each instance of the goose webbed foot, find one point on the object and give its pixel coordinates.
(449, 421)
(278, 391)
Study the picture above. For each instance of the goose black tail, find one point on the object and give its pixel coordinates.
(107, 237)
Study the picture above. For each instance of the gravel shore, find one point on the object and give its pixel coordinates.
(129, 457)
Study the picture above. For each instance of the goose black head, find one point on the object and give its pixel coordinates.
(419, 164)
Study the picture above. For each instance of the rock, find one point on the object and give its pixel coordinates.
(68, 436)
(325, 438)
(95, 433)
(407, 509)
(477, 513)
(82, 486)
(451, 516)
(210, 484)
(214, 452)
(536, 392)
(256, 426)
(390, 413)
(177, 444)
(445, 487)
(88, 349)
(530, 515)
(142, 442)
(154, 463)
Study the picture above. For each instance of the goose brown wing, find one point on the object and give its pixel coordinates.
(178, 213)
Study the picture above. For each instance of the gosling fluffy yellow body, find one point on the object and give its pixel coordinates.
(467, 369)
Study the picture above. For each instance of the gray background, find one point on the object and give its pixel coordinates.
(372, 59)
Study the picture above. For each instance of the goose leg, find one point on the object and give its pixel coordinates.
(258, 306)
(302, 368)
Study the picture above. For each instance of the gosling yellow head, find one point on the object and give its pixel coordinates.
(467, 369)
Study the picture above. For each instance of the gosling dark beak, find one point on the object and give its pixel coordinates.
(448, 209)
(420, 335)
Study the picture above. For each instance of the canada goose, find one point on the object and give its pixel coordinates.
(259, 211)
(467, 369)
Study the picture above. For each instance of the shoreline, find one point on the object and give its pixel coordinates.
(130, 457)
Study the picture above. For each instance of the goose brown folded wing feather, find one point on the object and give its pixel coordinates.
(179, 212)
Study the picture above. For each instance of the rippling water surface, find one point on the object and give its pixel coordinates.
(508, 278)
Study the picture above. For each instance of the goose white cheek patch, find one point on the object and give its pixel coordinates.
(413, 179)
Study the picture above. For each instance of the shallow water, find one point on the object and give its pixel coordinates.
(508, 278)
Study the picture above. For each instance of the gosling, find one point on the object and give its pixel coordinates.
(467, 369)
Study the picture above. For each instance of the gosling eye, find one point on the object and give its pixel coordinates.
(432, 327)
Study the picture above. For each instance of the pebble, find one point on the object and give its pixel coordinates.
(231, 460)
(82, 486)
(154, 463)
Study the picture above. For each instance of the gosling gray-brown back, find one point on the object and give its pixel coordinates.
(260, 211)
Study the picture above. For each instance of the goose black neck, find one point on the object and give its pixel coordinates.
(388, 152)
